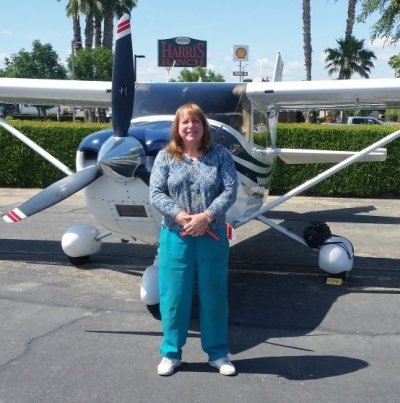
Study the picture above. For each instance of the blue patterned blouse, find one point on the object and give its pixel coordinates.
(210, 183)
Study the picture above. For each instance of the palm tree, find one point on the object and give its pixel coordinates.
(307, 38)
(349, 58)
(351, 10)
(394, 63)
(351, 15)
(92, 10)
(96, 12)
(113, 8)
(307, 47)
(73, 11)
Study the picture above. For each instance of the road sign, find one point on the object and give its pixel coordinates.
(240, 73)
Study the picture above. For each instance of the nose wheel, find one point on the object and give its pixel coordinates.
(155, 311)
(79, 261)
(81, 241)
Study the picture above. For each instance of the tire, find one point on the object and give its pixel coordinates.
(79, 261)
(155, 311)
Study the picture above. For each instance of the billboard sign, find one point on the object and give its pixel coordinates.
(182, 52)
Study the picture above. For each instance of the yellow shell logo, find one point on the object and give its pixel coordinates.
(241, 53)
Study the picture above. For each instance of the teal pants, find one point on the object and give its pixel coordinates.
(181, 260)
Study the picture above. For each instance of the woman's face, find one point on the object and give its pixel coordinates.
(190, 129)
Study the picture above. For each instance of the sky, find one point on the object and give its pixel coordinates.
(265, 26)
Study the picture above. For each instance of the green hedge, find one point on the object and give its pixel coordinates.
(22, 167)
(376, 179)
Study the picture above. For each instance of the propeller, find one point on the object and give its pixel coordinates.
(54, 194)
(121, 153)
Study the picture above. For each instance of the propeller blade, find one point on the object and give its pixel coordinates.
(54, 194)
(120, 156)
(123, 86)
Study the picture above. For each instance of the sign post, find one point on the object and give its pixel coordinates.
(240, 53)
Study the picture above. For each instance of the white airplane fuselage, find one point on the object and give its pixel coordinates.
(122, 205)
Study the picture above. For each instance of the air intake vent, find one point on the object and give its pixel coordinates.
(131, 210)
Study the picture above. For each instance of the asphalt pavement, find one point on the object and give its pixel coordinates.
(81, 334)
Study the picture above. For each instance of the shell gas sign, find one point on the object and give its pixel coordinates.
(240, 53)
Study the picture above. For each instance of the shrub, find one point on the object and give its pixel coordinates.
(22, 167)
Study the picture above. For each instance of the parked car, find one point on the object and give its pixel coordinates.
(364, 120)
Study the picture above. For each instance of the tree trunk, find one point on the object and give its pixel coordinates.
(108, 28)
(89, 32)
(307, 38)
(351, 13)
(76, 26)
(308, 115)
(97, 32)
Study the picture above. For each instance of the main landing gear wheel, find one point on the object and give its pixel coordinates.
(336, 256)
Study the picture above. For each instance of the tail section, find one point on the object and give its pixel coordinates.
(278, 68)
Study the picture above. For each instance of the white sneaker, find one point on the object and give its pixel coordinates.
(224, 366)
(167, 366)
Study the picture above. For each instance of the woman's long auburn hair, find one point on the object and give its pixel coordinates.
(176, 146)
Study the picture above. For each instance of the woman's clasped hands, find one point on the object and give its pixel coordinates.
(193, 225)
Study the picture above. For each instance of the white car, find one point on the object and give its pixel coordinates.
(364, 120)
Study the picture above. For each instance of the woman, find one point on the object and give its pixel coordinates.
(193, 183)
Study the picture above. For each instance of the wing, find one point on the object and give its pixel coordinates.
(284, 95)
(55, 92)
(326, 94)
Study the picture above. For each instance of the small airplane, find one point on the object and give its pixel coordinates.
(113, 166)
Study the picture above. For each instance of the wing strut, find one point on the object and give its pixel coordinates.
(281, 229)
(35, 147)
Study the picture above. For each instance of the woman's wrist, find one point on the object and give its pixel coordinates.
(210, 216)
(180, 218)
